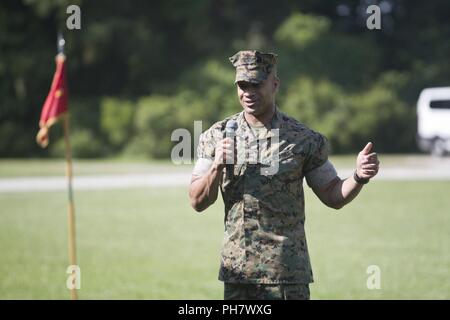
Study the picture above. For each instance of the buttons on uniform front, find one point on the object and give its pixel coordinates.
(248, 237)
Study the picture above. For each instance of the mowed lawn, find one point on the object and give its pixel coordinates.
(10, 168)
(149, 244)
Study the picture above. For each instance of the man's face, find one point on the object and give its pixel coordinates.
(258, 98)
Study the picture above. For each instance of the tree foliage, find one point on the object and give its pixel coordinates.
(137, 70)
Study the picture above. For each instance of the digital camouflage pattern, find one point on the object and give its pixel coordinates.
(253, 66)
(290, 291)
(264, 239)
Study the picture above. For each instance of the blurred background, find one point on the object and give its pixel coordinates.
(137, 70)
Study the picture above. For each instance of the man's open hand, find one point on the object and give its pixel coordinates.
(367, 163)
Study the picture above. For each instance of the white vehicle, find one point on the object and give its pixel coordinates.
(433, 116)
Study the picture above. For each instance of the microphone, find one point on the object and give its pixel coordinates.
(230, 132)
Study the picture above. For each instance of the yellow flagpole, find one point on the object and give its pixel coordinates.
(71, 206)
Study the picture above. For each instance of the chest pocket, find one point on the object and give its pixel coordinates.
(232, 187)
(288, 167)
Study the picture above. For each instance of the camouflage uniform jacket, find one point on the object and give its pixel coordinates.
(264, 239)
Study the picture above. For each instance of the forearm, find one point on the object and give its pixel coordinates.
(203, 191)
(337, 193)
(343, 192)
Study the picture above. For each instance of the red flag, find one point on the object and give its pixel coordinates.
(56, 103)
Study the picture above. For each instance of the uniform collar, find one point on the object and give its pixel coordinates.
(275, 123)
(277, 120)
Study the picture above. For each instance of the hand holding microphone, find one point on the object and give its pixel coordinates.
(225, 150)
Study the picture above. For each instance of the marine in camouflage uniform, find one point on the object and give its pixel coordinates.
(264, 252)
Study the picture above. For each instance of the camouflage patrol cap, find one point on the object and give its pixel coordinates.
(253, 66)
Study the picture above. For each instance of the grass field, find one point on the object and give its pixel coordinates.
(55, 167)
(149, 244)
(51, 167)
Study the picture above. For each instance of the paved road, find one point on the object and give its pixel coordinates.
(430, 169)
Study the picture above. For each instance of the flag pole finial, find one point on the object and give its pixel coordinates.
(60, 43)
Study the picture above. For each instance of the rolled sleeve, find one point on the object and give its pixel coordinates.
(318, 153)
(206, 146)
(322, 175)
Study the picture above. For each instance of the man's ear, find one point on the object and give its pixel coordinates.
(276, 83)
